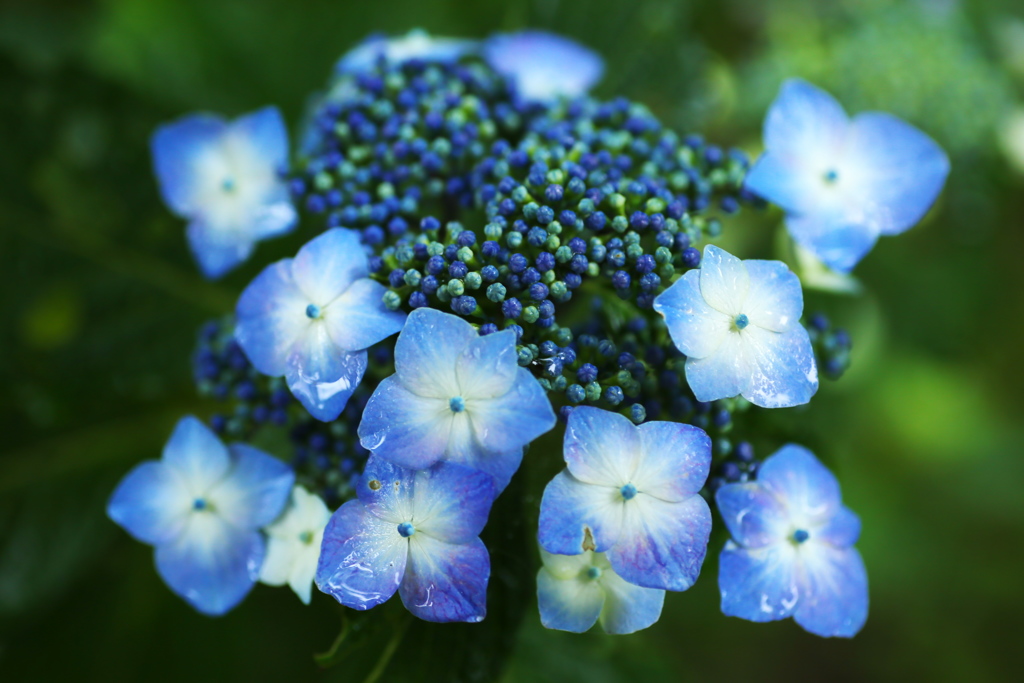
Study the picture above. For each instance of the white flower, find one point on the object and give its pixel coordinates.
(293, 544)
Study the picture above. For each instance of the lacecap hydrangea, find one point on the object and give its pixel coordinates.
(494, 262)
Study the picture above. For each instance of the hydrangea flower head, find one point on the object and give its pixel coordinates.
(416, 532)
(631, 492)
(544, 65)
(223, 177)
(417, 44)
(575, 591)
(792, 551)
(311, 319)
(202, 506)
(293, 544)
(738, 322)
(844, 182)
(455, 396)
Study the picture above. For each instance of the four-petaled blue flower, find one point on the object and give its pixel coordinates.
(417, 44)
(202, 506)
(792, 551)
(455, 396)
(844, 182)
(738, 322)
(543, 65)
(311, 319)
(224, 178)
(575, 591)
(416, 532)
(631, 492)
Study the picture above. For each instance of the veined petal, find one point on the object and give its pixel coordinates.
(362, 559)
(185, 157)
(543, 65)
(628, 608)
(451, 502)
(428, 350)
(256, 489)
(839, 242)
(195, 453)
(488, 366)
(753, 515)
(326, 400)
(783, 371)
(724, 281)
(358, 318)
(403, 427)
(775, 300)
(601, 447)
(798, 479)
(662, 545)
(759, 584)
(835, 596)
(212, 565)
(695, 327)
(722, 374)
(574, 514)
(387, 490)
(446, 582)
(675, 462)
(842, 531)
(151, 503)
(570, 603)
(511, 421)
(326, 265)
(271, 317)
(805, 122)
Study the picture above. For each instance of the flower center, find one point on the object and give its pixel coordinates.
(406, 529)
(312, 311)
(457, 404)
(594, 573)
(200, 504)
(628, 491)
(800, 535)
(306, 537)
(741, 321)
(830, 177)
(228, 184)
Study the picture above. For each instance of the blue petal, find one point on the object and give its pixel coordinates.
(662, 545)
(628, 608)
(271, 317)
(362, 558)
(446, 582)
(216, 251)
(899, 171)
(178, 148)
(753, 515)
(837, 241)
(842, 530)
(543, 65)
(212, 565)
(428, 350)
(568, 599)
(775, 300)
(195, 452)
(500, 466)
(793, 183)
(489, 366)
(724, 281)
(783, 372)
(264, 131)
(601, 447)
(805, 122)
(316, 359)
(722, 374)
(358, 318)
(675, 461)
(451, 502)
(151, 503)
(326, 400)
(509, 422)
(574, 514)
(255, 491)
(404, 428)
(835, 597)
(326, 265)
(695, 327)
(801, 482)
(274, 216)
(414, 45)
(387, 489)
(758, 585)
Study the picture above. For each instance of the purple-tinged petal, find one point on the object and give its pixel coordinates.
(271, 317)
(842, 531)
(387, 489)
(675, 462)
(783, 372)
(211, 564)
(835, 591)
(543, 65)
(775, 299)
(326, 265)
(362, 559)
(662, 545)
(256, 489)
(575, 516)
(722, 374)
(515, 419)
(758, 585)
(808, 490)
(358, 318)
(404, 428)
(601, 447)
(568, 598)
(151, 503)
(196, 454)
(696, 328)
(753, 515)
(325, 400)
(839, 242)
(446, 582)
(628, 608)
(724, 281)
(488, 366)
(427, 352)
(806, 123)
(451, 502)
(182, 151)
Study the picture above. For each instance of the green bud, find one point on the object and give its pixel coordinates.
(620, 224)
(435, 249)
(663, 255)
(593, 391)
(473, 280)
(496, 292)
(465, 254)
(323, 181)
(552, 243)
(531, 314)
(392, 301)
(442, 295)
(492, 231)
(548, 277)
(456, 288)
(412, 277)
(513, 239)
(560, 383)
(593, 269)
(634, 251)
(563, 254)
(655, 205)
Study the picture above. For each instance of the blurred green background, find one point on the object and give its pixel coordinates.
(100, 302)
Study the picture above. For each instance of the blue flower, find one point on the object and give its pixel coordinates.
(202, 506)
(844, 182)
(417, 44)
(455, 396)
(543, 65)
(312, 317)
(738, 322)
(631, 492)
(792, 551)
(575, 591)
(416, 532)
(223, 177)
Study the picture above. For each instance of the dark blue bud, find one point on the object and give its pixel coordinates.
(545, 261)
(554, 193)
(546, 308)
(418, 300)
(489, 273)
(517, 263)
(621, 280)
(466, 238)
(429, 284)
(645, 263)
(436, 264)
(464, 305)
(488, 328)
(691, 257)
(458, 270)
(511, 308)
(396, 277)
